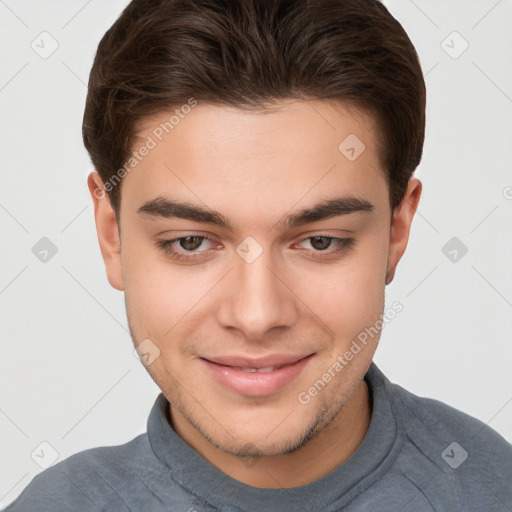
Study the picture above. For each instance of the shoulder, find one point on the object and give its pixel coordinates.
(472, 458)
(433, 419)
(87, 480)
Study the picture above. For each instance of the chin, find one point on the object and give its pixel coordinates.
(279, 433)
(251, 447)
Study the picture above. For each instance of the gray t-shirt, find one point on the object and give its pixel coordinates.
(418, 455)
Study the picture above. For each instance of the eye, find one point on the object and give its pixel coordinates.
(322, 243)
(189, 244)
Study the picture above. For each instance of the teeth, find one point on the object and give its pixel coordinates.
(259, 370)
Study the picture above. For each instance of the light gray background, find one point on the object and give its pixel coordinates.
(68, 374)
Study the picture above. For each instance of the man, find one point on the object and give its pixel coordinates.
(253, 195)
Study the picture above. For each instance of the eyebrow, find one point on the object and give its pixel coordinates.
(165, 208)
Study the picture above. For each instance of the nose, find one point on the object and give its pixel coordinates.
(256, 298)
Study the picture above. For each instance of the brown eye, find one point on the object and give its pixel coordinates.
(190, 243)
(321, 243)
(185, 247)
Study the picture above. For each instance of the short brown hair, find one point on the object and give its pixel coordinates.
(249, 53)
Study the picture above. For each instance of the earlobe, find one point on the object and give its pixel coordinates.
(107, 231)
(401, 225)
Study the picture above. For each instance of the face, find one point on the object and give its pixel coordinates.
(244, 307)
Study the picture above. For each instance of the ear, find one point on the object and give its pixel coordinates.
(401, 225)
(107, 230)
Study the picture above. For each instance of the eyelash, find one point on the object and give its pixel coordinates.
(342, 245)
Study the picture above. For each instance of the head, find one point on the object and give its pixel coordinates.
(253, 196)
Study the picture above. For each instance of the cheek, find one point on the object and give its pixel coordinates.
(160, 294)
(349, 297)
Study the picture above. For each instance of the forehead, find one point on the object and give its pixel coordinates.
(213, 127)
(298, 149)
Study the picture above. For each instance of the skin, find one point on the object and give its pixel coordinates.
(256, 168)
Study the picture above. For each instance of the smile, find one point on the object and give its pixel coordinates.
(256, 377)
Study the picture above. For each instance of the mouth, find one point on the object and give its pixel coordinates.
(256, 377)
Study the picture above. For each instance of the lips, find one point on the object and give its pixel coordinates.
(256, 376)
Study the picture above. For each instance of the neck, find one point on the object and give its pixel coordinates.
(327, 450)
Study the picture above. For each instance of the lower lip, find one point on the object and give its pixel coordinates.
(255, 383)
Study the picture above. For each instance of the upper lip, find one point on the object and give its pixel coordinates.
(271, 360)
